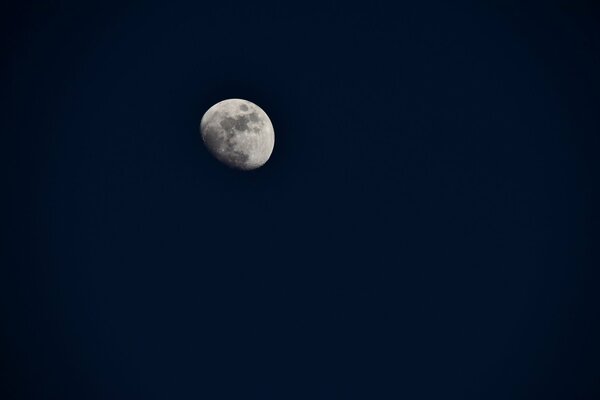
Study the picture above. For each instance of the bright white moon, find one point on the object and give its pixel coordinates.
(238, 133)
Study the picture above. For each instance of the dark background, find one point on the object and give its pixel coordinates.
(425, 229)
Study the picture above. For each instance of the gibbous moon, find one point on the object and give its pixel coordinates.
(238, 133)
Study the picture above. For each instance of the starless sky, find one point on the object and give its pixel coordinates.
(426, 226)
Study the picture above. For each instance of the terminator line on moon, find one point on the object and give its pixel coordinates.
(238, 133)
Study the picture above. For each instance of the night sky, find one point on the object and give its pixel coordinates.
(426, 227)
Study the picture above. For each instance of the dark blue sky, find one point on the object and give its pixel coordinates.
(426, 227)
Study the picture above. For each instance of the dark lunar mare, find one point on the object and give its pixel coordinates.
(225, 139)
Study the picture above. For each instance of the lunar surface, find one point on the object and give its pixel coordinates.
(238, 133)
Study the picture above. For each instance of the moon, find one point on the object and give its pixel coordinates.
(238, 133)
